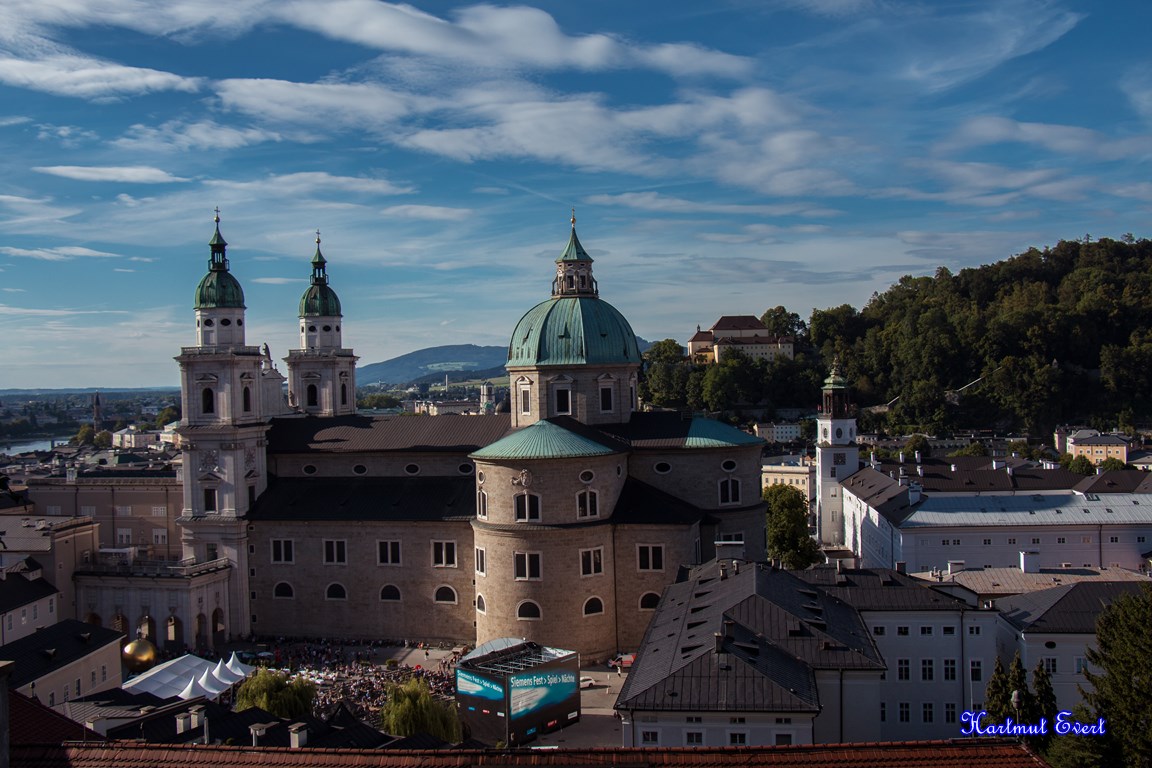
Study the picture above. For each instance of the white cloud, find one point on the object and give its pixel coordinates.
(277, 280)
(122, 269)
(328, 106)
(64, 253)
(14, 120)
(303, 184)
(88, 78)
(656, 202)
(135, 174)
(1060, 139)
(33, 312)
(204, 134)
(12, 290)
(427, 212)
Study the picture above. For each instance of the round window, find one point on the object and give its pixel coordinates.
(662, 467)
(208, 323)
(728, 465)
(412, 469)
(337, 328)
(480, 476)
(312, 328)
(239, 322)
(825, 432)
(327, 328)
(225, 322)
(839, 433)
(360, 469)
(464, 469)
(586, 476)
(309, 469)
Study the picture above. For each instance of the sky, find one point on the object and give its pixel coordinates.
(722, 157)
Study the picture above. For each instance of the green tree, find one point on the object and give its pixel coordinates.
(1082, 465)
(1044, 702)
(85, 435)
(102, 439)
(167, 416)
(1112, 464)
(1121, 691)
(276, 693)
(975, 448)
(378, 400)
(780, 322)
(411, 709)
(1024, 711)
(917, 443)
(1079, 752)
(787, 527)
(997, 694)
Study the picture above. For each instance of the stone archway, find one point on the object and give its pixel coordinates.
(94, 619)
(219, 629)
(174, 635)
(201, 632)
(146, 628)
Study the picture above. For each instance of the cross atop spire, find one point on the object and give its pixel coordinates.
(219, 259)
(573, 218)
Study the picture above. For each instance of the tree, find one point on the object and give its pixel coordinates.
(1024, 711)
(102, 439)
(975, 448)
(1112, 464)
(780, 322)
(1076, 752)
(378, 400)
(85, 435)
(998, 695)
(167, 416)
(1082, 465)
(787, 525)
(1121, 691)
(1044, 701)
(917, 443)
(412, 710)
(276, 693)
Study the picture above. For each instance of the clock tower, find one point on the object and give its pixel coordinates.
(837, 457)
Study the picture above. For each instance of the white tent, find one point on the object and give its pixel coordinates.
(172, 678)
(194, 689)
(224, 674)
(238, 666)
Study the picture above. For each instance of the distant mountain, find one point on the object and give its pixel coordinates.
(432, 363)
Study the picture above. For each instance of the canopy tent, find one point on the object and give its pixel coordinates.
(187, 677)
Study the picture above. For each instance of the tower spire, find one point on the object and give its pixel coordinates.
(574, 269)
(219, 258)
(319, 265)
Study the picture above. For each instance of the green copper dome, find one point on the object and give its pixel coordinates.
(573, 330)
(219, 289)
(319, 300)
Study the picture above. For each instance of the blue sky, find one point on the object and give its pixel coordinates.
(722, 157)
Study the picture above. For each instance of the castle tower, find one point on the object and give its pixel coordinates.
(573, 354)
(837, 457)
(321, 374)
(222, 441)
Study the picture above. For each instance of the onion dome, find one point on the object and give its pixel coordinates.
(219, 289)
(575, 326)
(319, 300)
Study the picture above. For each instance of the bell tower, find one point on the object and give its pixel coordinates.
(222, 437)
(321, 374)
(837, 456)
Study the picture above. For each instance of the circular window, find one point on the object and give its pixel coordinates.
(327, 328)
(825, 432)
(337, 328)
(301, 329)
(587, 476)
(312, 328)
(839, 433)
(662, 467)
(464, 469)
(480, 477)
(309, 469)
(208, 323)
(225, 322)
(239, 322)
(360, 469)
(728, 465)
(619, 470)
(412, 469)
(1050, 644)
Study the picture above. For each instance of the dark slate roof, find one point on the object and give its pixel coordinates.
(366, 434)
(975, 474)
(669, 430)
(115, 702)
(53, 648)
(15, 591)
(1101, 440)
(1070, 608)
(643, 503)
(882, 493)
(954, 753)
(420, 499)
(776, 629)
(30, 722)
(1116, 481)
(739, 323)
(880, 589)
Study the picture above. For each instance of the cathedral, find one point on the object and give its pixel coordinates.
(560, 521)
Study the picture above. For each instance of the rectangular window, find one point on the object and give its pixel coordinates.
(1050, 664)
(987, 542)
(335, 552)
(1139, 539)
(903, 669)
(160, 511)
(51, 606)
(443, 554)
(694, 738)
(949, 630)
(586, 504)
(977, 670)
(1061, 540)
(527, 507)
(159, 536)
(525, 401)
(563, 401)
(693, 719)
(1113, 539)
(949, 669)
(883, 712)
(1085, 539)
(729, 491)
(927, 714)
(124, 537)
(592, 561)
(737, 739)
(902, 631)
(282, 551)
(950, 712)
(925, 631)
(783, 739)
(927, 670)
(481, 561)
(650, 557)
(103, 673)
(209, 499)
(1081, 664)
(1011, 541)
(123, 511)
(905, 712)
(878, 631)
(1035, 540)
(649, 738)
(605, 399)
(388, 553)
(973, 629)
(527, 566)
(87, 510)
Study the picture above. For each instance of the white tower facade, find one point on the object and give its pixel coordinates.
(837, 457)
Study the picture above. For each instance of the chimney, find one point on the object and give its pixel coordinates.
(920, 470)
(723, 572)
(257, 730)
(1030, 561)
(955, 566)
(182, 722)
(719, 638)
(298, 735)
(917, 457)
(728, 624)
(901, 457)
(197, 713)
(997, 464)
(1008, 469)
(953, 467)
(901, 566)
(915, 490)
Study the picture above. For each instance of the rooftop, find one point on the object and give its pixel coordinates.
(53, 648)
(1067, 609)
(992, 582)
(368, 434)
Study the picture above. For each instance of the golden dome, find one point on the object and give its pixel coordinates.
(139, 655)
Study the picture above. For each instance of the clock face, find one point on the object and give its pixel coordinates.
(839, 459)
(839, 433)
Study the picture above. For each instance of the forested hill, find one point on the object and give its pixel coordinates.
(1060, 334)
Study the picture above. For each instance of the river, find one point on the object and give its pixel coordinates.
(22, 446)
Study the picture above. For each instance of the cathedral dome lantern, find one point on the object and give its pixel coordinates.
(219, 301)
(573, 354)
(319, 300)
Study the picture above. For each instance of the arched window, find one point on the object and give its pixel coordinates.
(729, 491)
(284, 590)
(313, 396)
(482, 505)
(336, 591)
(528, 611)
(593, 606)
(586, 504)
(247, 399)
(207, 400)
(390, 593)
(649, 601)
(480, 607)
(343, 394)
(445, 594)
(527, 507)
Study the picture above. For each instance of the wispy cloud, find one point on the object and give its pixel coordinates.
(88, 78)
(136, 174)
(203, 134)
(278, 280)
(656, 202)
(1059, 139)
(63, 253)
(427, 212)
(310, 182)
(6, 309)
